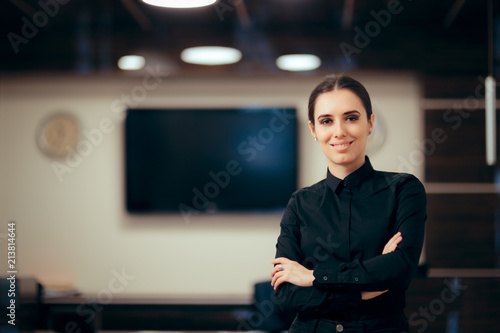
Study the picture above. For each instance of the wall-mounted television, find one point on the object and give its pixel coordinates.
(193, 161)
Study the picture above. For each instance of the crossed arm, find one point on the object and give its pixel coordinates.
(286, 270)
(328, 288)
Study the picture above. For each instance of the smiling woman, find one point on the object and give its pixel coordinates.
(341, 118)
(341, 126)
(372, 223)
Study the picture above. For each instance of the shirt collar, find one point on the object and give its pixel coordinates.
(353, 179)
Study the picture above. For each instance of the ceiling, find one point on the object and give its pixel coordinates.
(433, 37)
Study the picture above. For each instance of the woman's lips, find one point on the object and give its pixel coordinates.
(342, 146)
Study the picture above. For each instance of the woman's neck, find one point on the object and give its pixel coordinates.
(342, 171)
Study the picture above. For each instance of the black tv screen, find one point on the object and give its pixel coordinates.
(194, 161)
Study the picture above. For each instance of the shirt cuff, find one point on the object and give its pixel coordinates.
(325, 275)
(328, 275)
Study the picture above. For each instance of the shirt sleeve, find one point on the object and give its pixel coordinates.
(309, 300)
(392, 270)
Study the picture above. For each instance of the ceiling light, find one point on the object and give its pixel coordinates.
(211, 55)
(180, 3)
(131, 62)
(298, 62)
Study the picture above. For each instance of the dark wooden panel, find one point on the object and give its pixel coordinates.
(460, 231)
(437, 305)
(455, 86)
(455, 145)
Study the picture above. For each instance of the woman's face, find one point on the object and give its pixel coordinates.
(341, 127)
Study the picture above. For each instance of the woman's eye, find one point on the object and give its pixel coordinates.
(326, 121)
(352, 118)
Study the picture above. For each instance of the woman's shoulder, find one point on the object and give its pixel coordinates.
(399, 180)
(314, 189)
(396, 176)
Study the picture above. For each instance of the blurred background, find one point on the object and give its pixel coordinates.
(63, 73)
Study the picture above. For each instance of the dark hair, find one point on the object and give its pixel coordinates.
(337, 82)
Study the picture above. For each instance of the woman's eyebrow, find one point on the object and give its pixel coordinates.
(324, 115)
(351, 112)
(345, 113)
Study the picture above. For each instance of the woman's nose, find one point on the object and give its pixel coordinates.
(338, 129)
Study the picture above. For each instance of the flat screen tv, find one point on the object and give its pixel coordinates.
(194, 161)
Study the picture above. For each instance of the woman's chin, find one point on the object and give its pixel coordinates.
(348, 161)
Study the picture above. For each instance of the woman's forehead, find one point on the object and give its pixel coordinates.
(338, 102)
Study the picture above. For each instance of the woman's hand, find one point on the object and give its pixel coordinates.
(392, 243)
(365, 295)
(286, 270)
(388, 248)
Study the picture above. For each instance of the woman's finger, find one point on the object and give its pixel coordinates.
(395, 237)
(276, 269)
(278, 265)
(280, 260)
(277, 282)
(275, 278)
(392, 243)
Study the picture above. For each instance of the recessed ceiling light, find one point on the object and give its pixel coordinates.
(131, 62)
(211, 55)
(298, 62)
(180, 3)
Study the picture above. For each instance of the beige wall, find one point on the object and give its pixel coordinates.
(77, 230)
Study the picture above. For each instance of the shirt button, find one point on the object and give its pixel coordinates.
(356, 279)
(339, 328)
(345, 184)
(325, 277)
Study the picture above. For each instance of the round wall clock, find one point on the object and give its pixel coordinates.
(58, 135)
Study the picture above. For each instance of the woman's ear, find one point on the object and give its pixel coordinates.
(311, 127)
(370, 123)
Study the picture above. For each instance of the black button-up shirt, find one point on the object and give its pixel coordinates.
(339, 228)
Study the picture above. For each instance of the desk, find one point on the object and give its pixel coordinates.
(448, 300)
(79, 315)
